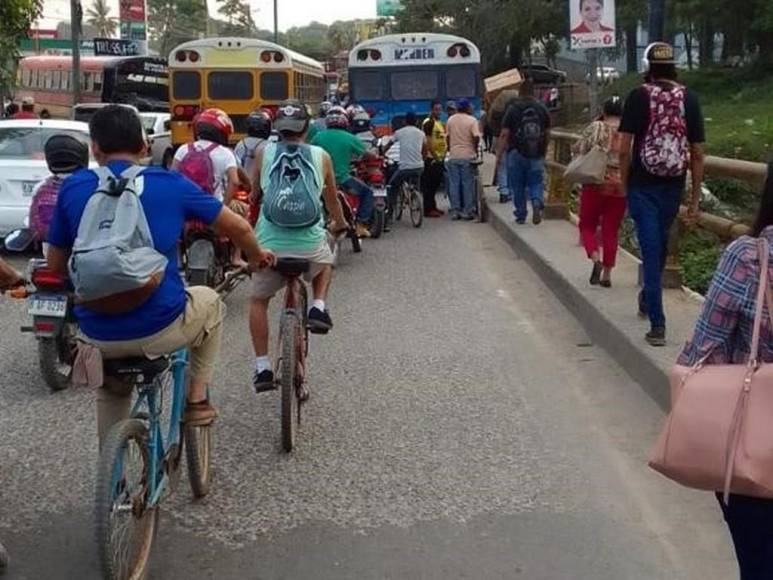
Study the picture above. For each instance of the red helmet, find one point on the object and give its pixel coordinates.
(215, 118)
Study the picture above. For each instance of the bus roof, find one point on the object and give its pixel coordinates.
(412, 48)
(226, 42)
(87, 62)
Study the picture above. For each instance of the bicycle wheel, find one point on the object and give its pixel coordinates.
(124, 525)
(417, 208)
(4, 560)
(400, 202)
(287, 380)
(199, 444)
(356, 242)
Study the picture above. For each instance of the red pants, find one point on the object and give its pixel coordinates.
(599, 208)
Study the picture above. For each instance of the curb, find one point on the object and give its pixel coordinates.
(634, 358)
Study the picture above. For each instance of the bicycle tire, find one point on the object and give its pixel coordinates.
(379, 219)
(49, 360)
(481, 199)
(400, 203)
(287, 380)
(199, 278)
(4, 559)
(356, 242)
(199, 444)
(417, 208)
(304, 314)
(105, 491)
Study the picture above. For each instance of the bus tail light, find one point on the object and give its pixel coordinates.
(181, 56)
(193, 56)
(452, 52)
(278, 57)
(375, 54)
(362, 55)
(464, 51)
(185, 112)
(265, 56)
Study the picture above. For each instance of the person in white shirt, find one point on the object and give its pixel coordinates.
(413, 150)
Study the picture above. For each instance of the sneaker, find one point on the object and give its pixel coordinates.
(656, 336)
(362, 231)
(595, 275)
(263, 381)
(468, 217)
(199, 414)
(520, 221)
(455, 216)
(434, 213)
(504, 198)
(319, 321)
(538, 210)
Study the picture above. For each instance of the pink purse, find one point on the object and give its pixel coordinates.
(719, 434)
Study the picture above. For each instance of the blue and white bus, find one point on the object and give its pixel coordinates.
(394, 74)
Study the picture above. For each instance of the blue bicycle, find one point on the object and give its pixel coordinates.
(139, 462)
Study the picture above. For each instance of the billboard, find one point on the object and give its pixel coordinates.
(115, 47)
(387, 8)
(133, 18)
(592, 24)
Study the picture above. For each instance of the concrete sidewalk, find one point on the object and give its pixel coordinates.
(609, 316)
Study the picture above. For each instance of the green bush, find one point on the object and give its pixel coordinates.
(699, 255)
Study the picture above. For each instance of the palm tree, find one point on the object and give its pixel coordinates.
(99, 17)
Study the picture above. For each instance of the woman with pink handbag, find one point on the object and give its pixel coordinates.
(724, 336)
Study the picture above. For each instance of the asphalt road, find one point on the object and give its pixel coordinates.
(461, 426)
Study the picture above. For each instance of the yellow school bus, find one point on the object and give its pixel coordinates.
(237, 75)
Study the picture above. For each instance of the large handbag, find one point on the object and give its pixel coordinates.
(719, 434)
(590, 168)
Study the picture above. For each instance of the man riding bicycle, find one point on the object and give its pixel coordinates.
(413, 150)
(343, 148)
(160, 316)
(292, 174)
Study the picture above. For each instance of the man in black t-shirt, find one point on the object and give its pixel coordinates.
(662, 138)
(524, 136)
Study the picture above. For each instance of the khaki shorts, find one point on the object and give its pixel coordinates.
(267, 283)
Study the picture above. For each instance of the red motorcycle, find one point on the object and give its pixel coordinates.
(371, 172)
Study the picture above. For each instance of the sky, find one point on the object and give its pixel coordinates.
(291, 12)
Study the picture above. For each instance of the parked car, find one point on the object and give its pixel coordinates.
(605, 75)
(84, 111)
(159, 132)
(543, 74)
(23, 164)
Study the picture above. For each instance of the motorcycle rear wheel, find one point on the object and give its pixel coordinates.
(56, 373)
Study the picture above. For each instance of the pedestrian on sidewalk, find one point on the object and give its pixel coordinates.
(723, 335)
(486, 131)
(602, 205)
(525, 138)
(662, 138)
(463, 134)
(434, 163)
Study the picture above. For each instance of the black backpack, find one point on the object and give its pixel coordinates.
(530, 133)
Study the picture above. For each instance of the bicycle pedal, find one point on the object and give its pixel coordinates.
(266, 388)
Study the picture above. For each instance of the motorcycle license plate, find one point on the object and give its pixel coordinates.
(47, 305)
(379, 192)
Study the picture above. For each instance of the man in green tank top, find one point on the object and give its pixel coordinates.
(307, 243)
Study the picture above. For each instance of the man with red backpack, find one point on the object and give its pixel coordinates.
(662, 138)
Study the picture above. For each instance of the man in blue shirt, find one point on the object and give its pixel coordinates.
(173, 317)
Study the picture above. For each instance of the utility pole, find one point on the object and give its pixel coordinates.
(657, 27)
(76, 16)
(594, 62)
(276, 21)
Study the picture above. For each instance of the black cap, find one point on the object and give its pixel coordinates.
(659, 53)
(291, 116)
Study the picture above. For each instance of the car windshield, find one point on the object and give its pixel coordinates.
(28, 142)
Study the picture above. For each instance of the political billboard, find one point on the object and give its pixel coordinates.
(592, 24)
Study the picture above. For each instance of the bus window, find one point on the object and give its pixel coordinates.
(66, 76)
(57, 80)
(413, 85)
(98, 82)
(186, 85)
(49, 79)
(273, 86)
(369, 85)
(461, 82)
(25, 77)
(230, 86)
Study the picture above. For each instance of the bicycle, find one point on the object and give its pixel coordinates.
(409, 195)
(139, 462)
(292, 347)
(480, 195)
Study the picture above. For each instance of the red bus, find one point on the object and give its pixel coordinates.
(141, 81)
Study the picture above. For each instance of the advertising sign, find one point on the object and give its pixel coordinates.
(133, 15)
(592, 24)
(115, 47)
(387, 8)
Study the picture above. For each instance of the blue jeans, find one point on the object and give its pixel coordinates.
(354, 186)
(749, 520)
(461, 186)
(653, 209)
(502, 186)
(525, 175)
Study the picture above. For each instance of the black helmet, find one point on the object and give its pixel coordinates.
(65, 154)
(259, 125)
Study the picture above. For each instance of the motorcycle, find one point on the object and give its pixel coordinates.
(50, 304)
(371, 172)
(206, 256)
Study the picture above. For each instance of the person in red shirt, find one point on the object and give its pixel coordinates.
(27, 109)
(591, 12)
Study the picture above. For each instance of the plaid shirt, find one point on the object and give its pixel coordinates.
(724, 330)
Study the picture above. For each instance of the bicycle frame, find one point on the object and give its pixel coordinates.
(158, 446)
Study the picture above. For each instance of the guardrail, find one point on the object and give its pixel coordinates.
(559, 191)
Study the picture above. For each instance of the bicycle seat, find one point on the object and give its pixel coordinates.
(292, 267)
(144, 370)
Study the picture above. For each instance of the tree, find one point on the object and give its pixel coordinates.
(168, 29)
(238, 16)
(16, 18)
(99, 17)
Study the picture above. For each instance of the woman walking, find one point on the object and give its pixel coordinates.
(602, 205)
(723, 335)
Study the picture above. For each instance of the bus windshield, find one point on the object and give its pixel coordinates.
(140, 81)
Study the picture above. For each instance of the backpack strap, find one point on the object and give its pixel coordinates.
(211, 147)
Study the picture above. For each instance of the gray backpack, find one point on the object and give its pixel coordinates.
(114, 267)
(291, 198)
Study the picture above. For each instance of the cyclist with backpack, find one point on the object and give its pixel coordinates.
(258, 134)
(65, 155)
(115, 231)
(662, 138)
(292, 177)
(525, 137)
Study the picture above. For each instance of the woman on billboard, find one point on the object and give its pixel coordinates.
(591, 13)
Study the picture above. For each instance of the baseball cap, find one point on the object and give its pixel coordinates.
(28, 101)
(464, 104)
(452, 105)
(291, 116)
(659, 53)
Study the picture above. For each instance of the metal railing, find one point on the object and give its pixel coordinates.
(559, 191)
